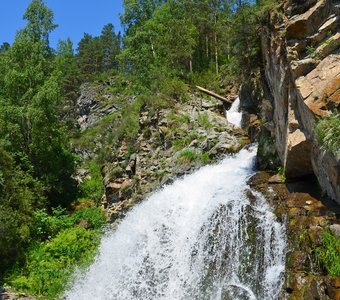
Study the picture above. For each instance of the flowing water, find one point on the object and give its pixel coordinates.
(233, 114)
(202, 237)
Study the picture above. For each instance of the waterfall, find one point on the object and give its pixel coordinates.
(233, 114)
(206, 236)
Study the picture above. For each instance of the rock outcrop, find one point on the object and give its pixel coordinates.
(170, 143)
(302, 70)
(94, 102)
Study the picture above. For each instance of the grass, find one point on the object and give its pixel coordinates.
(327, 133)
(328, 255)
(188, 155)
(203, 121)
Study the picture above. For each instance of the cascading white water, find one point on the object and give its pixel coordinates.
(233, 114)
(200, 238)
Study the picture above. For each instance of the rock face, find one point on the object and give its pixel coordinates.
(170, 143)
(96, 101)
(302, 70)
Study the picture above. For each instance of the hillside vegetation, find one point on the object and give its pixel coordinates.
(167, 47)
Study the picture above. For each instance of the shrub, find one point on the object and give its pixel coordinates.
(92, 187)
(63, 245)
(50, 265)
(46, 225)
(92, 215)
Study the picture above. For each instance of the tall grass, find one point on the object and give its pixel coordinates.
(328, 255)
(327, 133)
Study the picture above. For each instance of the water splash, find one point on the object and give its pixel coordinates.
(233, 114)
(200, 238)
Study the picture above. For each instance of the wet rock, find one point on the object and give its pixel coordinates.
(277, 178)
(298, 260)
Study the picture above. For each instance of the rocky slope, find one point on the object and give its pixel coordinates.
(170, 142)
(302, 73)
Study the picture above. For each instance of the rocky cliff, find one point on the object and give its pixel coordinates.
(299, 86)
(300, 49)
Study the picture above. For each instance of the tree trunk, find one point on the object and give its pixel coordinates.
(207, 46)
(216, 48)
(190, 63)
(212, 94)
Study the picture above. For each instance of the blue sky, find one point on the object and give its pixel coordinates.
(74, 17)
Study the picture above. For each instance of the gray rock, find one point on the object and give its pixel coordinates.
(335, 229)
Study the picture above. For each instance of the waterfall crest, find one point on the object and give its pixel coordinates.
(200, 238)
(233, 114)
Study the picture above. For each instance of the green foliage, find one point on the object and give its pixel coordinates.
(310, 50)
(203, 121)
(59, 246)
(281, 171)
(50, 264)
(92, 187)
(181, 143)
(328, 255)
(326, 131)
(20, 194)
(189, 155)
(92, 215)
(178, 120)
(45, 226)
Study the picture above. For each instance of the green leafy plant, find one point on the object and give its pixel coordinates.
(50, 265)
(62, 242)
(310, 50)
(281, 171)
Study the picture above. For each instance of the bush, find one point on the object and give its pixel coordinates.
(92, 187)
(92, 215)
(63, 245)
(50, 265)
(45, 226)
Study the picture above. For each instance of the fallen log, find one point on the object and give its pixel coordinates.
(212, 94)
